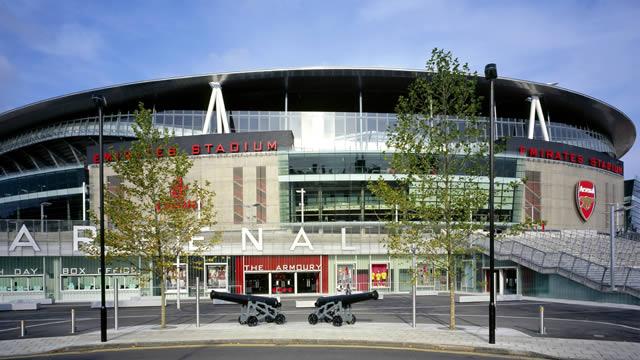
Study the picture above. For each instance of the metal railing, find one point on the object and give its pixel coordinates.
(581, 256)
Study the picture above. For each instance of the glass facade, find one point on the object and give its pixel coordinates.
(336, 187)
(312, 130)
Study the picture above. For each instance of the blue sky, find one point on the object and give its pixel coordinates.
(51, 48)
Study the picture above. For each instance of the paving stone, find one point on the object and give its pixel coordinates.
(427, 335)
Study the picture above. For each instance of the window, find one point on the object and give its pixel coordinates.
(238, 206)
(345, 278)
(21, 283)
(380, 275)
(177, 277)
(216, 276)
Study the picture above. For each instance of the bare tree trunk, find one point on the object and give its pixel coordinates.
(452, 292)
(163, 298)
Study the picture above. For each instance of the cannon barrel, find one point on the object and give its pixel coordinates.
(347, 299)
(244, 299)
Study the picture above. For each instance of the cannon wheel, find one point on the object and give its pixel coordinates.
(252, 321)
(313, 319)
(353, 320)
(280, 319)
(240, 321)
(337, 320)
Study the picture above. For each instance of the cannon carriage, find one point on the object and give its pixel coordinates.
(337, 309)
(254, 308)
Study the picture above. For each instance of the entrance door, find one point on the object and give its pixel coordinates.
(256, 283)
(496, 281)
(506, 281)
(283, 283)
(510, 278)
(308, 282)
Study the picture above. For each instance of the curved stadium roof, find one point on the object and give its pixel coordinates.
(319, 89)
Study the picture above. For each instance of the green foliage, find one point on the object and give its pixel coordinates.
(438, 166)
(152, 211)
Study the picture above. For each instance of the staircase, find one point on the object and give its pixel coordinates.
(582, 256)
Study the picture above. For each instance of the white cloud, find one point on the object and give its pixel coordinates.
(6, 68)
(72, 40)
(386, 9)
(233, 59)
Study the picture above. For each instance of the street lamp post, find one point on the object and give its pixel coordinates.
(491, 73)
(301, 192)
(612, 245)
(100, 102)
(42, 205)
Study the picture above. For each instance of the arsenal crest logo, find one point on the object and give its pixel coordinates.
(585, 198)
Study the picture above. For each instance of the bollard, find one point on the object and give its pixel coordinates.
(115, 304)
(197, 301)
(73, 321)
(542, 320)
(23, 329)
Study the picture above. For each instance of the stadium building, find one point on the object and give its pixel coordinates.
(289, 154)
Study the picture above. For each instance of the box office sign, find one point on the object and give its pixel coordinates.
(87, 266)
(249, 142)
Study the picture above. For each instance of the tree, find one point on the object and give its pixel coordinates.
(438, 155)
(153, 212)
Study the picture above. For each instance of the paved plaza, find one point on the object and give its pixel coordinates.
(573, 331)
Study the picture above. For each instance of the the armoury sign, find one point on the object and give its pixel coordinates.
(266, 141)
(585, 198)
(565, 153)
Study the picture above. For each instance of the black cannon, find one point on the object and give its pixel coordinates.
(254, 308)
(336, 309)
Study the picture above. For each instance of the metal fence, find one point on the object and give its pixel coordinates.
(582, 256)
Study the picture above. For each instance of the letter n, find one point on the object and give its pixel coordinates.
(247, 234)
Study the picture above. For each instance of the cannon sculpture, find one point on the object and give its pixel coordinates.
(336, 309)
(254, 308)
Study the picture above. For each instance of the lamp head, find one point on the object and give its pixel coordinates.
(99, 100)
(490, 72)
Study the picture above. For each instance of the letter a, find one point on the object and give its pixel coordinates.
(24, 232)
(296, 242)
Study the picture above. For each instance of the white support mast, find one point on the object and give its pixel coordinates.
(536, 109)
(216, 100)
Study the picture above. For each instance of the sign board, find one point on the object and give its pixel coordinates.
(565, 153)
(264, 141)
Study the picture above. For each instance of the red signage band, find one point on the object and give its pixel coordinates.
(572, 157)
(283, 263)
(196, 149)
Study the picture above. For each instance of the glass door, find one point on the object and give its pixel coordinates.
(510, 277)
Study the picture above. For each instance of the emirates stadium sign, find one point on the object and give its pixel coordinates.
(208, 144)
(585, 198)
